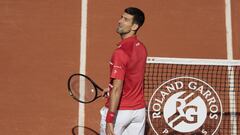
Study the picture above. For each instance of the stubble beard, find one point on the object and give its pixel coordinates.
(121, 32)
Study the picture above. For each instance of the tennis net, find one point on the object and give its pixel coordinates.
(192, 96)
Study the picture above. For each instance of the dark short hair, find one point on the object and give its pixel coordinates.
(138, 15)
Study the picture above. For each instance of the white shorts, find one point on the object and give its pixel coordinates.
(128, 122)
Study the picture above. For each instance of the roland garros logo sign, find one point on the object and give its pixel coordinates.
(185, 105)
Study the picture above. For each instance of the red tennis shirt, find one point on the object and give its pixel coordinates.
(128, 64)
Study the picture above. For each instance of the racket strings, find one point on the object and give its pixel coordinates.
(82, 89)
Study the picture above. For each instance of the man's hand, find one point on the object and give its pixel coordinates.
(109, 129)
(105, 92)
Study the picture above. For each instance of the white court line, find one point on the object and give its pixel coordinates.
(232, 103)
(228, 21)
(83, 51)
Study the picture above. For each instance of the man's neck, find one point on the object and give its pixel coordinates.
(127, 35)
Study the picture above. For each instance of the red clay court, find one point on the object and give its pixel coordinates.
(44, 42)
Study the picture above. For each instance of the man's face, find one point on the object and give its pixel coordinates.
(125, 24)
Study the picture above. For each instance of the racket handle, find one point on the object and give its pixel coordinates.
(106, 94)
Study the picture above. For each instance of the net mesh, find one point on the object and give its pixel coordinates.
(223, 76)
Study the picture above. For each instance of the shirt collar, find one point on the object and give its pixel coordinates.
(131, 38)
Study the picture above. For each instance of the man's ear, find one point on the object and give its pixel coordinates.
(135, 27)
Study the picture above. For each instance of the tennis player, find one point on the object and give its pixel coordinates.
(124, 111)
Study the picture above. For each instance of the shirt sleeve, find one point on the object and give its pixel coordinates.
(119, 62)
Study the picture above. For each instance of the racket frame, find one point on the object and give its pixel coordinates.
(96, 88)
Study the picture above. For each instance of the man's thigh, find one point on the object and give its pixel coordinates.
(137, 125)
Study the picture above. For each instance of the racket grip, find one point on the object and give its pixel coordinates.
(106, 94)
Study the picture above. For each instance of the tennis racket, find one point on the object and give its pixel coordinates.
(83, 89)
